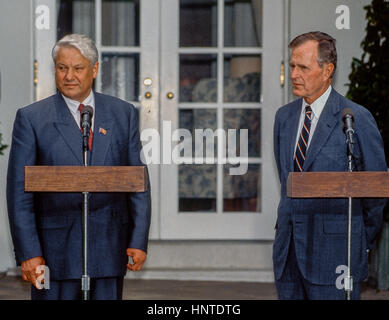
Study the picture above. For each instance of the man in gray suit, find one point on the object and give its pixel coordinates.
(310, 241)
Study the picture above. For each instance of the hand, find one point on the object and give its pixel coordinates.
(29, 270)
(138, 257)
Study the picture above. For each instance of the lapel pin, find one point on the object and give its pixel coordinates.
(103, 131)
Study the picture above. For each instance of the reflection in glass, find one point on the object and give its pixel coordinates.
(242, 192)
(120, 76)
(198, 23)
(120, 23)
(197, 188)
(198, 74)
(245, 119)
(75, 16)
(242, 78)
(197, 121)
(242, 23)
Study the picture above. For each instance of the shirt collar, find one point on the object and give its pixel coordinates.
(73, 104)
(318, 105)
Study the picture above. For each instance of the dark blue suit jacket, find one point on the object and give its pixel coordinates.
(49, 224)
(320, 225)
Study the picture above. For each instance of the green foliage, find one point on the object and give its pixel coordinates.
(369, 78)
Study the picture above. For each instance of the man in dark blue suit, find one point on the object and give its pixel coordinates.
(310, 242)
(46, 228)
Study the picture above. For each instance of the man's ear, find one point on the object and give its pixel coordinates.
(328, 70)
(95, 69)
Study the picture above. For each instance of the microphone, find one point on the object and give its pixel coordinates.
(86, 124)
(348, 121)
(348, 128)
(86, 117)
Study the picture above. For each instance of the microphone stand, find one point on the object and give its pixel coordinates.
(348, 280)
(85, 279)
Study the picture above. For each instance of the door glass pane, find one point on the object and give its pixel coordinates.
(120, 23)
(242, 78)
(242, 192)
(198, 23)
(201, 124)
(197, 188)
(120, 76)
(198, 78)
(242, 23)
(249, 119)
(77, 16)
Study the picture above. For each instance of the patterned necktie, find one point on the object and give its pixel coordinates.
(80, 108)
(302, 144)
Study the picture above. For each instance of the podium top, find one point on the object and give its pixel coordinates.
(85, 179)
(365, 184)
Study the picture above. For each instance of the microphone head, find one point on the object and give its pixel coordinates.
(89, 110)
(347, 112)
(347, 119)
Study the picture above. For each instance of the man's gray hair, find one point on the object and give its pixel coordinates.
(326, 47)
(81, 42)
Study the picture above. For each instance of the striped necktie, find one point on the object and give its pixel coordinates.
(80, 108)
(302, 144)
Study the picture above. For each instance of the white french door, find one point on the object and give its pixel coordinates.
(220, 62)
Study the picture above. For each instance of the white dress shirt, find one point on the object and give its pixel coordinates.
(73, 107)
(317, 107)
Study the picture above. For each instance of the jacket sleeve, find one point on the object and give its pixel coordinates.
(372, 159)
(139, 202)
(20, 203)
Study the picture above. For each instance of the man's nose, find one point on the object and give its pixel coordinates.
(294, 73)
(69, 74)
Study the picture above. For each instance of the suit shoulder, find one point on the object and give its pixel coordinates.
(43, 106)
(288, 108)
(115, 102)
(363, 118)
(357, 108)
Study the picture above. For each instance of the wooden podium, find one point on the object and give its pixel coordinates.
(365, 184)
(362, 184)
(84, 180)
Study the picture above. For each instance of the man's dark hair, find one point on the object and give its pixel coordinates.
(326, 47)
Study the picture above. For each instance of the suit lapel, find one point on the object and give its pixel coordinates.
(67, 127)
(102, 134)
(326, 124)
(291, 125)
